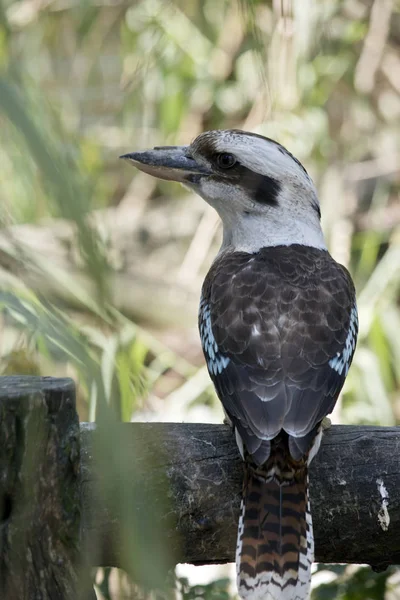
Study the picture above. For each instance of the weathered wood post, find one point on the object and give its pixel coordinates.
(39, 490)
(354, 481)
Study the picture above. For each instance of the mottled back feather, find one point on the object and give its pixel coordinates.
(277, 319)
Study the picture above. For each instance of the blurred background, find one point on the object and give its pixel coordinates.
(101, 266)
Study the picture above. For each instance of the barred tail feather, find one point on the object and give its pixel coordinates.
(275, 547)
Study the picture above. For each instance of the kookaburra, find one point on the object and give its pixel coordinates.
(278, 326)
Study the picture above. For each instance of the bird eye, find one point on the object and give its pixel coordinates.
(226, 160)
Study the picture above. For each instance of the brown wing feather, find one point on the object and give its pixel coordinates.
(279, 316)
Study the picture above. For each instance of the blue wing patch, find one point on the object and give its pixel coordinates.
(216, 362)
(342, 361)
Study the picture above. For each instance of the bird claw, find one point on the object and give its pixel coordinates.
(229, 423)
(326, 423)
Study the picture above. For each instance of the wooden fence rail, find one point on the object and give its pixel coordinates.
(53, 513)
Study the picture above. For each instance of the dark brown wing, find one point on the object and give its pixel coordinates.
(278, 330)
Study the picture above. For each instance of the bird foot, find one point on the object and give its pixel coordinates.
(326, 423)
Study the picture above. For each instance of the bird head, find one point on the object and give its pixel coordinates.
(262, 193)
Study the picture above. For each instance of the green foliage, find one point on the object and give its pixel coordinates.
(112, 366)
(363, 584)
(217, 590)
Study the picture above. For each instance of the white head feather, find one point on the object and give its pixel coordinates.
(248, 224)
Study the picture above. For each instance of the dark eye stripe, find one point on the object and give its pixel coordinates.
(261, 188)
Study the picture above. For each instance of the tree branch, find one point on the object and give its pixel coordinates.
(354, 480)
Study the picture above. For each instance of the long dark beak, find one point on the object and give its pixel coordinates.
(168, 162)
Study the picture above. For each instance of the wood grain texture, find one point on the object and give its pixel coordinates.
(39, 490)
(187, 477)
(203, 471)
